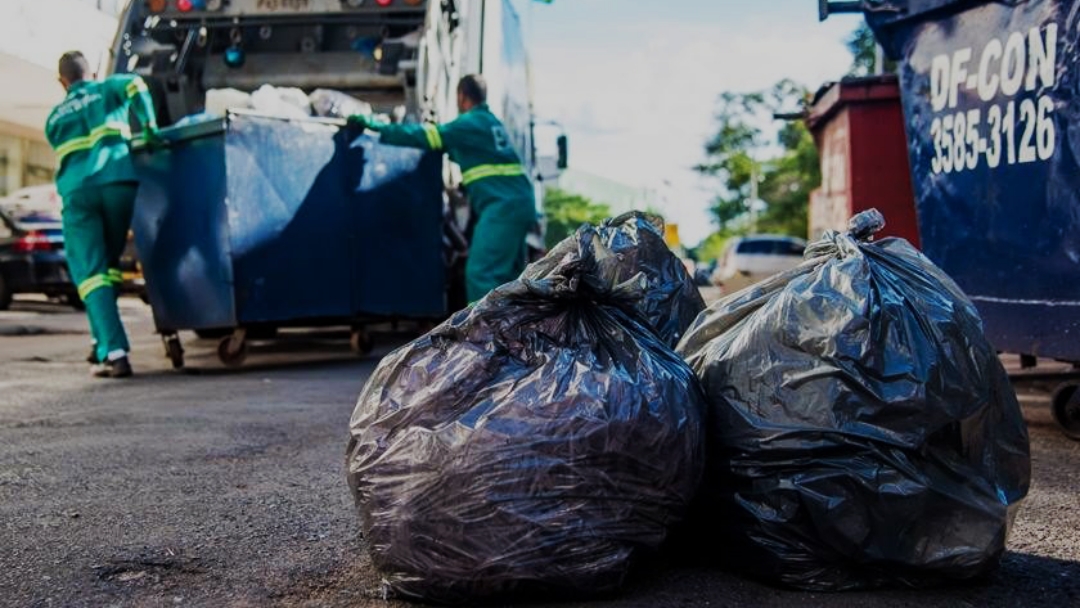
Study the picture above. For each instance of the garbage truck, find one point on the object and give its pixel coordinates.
(258, 216)
(989, 96)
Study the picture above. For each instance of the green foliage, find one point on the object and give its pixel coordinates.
(863, 49)
(784, 180)
(566, 213)
(711, 248)
(787, 183)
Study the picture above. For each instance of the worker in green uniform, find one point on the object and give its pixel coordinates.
(500, 193)
(90, 132)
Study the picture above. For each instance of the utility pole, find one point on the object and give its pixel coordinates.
(753, 197)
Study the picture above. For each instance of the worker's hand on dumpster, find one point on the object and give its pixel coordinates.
(153, 139)
(359, 122)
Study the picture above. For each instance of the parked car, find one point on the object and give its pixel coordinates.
(32, 255)
(33, 198)
(45, 199)
(748, 260)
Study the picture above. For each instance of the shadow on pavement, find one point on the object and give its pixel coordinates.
(1022, 581)
(41, 306)
(35, 317)
(293, 350)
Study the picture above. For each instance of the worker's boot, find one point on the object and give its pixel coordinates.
(113, 368)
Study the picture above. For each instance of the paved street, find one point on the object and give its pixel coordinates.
(216, 487)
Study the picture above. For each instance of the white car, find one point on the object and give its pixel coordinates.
(750, 259)
(32, 199)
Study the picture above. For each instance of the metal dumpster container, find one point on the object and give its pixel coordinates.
(252, 220)
(858, 126)
(991, 95)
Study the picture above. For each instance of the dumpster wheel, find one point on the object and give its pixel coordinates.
(1066, 409)
(233, 349)
(361, 343)
(173, 350)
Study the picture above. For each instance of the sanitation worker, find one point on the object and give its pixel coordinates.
(90, 133)
(500, 193)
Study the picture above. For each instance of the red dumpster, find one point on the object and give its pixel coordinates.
(858, 126)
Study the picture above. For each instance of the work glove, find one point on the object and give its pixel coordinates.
(359, 122)
(153, 139)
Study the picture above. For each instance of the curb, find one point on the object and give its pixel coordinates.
(22, 330)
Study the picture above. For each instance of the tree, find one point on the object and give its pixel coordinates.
(728, 155)
(747, 166)
(788, 181)
(566, 213)
(863, 47)
(784, 179)
(712, 247)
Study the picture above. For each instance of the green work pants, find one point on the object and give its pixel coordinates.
(497, 251)
(96, 223)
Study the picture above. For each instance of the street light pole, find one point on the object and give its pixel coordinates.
(753, 196)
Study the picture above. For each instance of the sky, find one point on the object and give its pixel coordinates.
(634, 82)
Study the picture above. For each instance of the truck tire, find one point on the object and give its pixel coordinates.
(1065, 405)
(216, 333)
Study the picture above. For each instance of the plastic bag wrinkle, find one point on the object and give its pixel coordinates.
(538, 441)
(862, 431)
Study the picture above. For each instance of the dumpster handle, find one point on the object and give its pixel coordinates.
(830, 7)
(337, 122)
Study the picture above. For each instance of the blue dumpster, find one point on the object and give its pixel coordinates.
(251, 220)
(991, 96)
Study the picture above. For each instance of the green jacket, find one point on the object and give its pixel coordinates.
(491, 170)
(90, 131)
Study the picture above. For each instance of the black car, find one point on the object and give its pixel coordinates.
(32, 256)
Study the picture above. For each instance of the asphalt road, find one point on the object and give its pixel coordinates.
(226, 488)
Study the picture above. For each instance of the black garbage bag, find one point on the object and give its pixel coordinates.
(534, 443)
(669, 301)
(862, 431)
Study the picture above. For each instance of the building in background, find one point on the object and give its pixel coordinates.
(33, 35)
(619, 197)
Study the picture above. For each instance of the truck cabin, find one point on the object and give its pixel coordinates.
(183, 48)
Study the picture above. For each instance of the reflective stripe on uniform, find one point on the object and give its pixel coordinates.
(78, 144)
(434, 139)
(482, 171)
(116, 276)
(93, 284)
(135, 87)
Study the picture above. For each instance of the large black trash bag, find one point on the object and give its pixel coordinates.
(533, 443)
(862, 430)
(669, 300)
